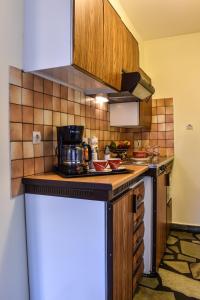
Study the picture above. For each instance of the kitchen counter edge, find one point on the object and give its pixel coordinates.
(101, 188)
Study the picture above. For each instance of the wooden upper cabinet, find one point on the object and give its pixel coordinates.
(88, 36)
(113, 46)
(130, 61)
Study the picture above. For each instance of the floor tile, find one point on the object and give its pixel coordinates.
(180, 283)
(174, 248)
(186, 258)
(179, 266)
(171, 240)
(183, 235)
(190, 249)
(148, 294)
(149, 282)
(195, 268)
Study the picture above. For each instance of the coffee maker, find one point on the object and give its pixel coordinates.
(73, 155)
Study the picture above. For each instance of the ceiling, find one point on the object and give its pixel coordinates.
(154, 19)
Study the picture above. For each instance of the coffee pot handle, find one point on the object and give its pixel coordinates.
(87, 152)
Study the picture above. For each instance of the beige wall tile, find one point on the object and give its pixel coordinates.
(160, 110)
(15, 94)
(56, 104)
(48, 102)
(64, 106)
(15, 132)
(15, 76)
(17, 168)
(16, 150)
(27, 114)
(39, 165)
(38, 100)
(29, 166)
(70, 119)
(27, 132)
(169, 118)
(70, 94)
(77, 120)
(64, 119)
(70, 107)
(27, 97)
(27, 80)
(38, 84)
(48, 148)
(56, 119)
(48, 133)
(77, 109)
(48, 87)
(64, 92)
(160, 102)
(38, 149)
(48, 117)
(17, 187)
(169, 135)
(169, 126)
(28, 151)
(48, 164)
(56, 89)
(169, 110)
(168, 102)
(15, 113)
(161, 119)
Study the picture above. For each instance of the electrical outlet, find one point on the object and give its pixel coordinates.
(36, 137)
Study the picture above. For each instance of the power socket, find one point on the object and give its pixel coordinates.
(36, 137)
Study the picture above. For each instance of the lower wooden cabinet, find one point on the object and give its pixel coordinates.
(161, 222)
(128, 245)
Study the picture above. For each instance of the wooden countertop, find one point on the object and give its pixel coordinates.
(94, 187)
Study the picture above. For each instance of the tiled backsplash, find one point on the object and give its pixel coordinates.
(41, 105)
(162, 127)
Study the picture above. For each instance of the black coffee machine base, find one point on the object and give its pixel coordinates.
(87, 173)
(72, 170)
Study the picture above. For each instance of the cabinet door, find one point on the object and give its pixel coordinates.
(113, 46)
(161, 219)
(88, 36)
(146, 114)
(130, 62)
(122, 248)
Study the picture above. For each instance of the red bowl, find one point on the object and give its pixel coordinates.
(114, 163)
(140, 154)
(100, 165)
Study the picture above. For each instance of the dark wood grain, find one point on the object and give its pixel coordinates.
(88, 36)
(122, 248)
(161, 222)
(113, 46)
(130, 61)
(146, 114)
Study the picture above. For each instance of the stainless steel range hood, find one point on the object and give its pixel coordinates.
(133, 88)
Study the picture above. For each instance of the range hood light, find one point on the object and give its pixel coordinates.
(101, 98)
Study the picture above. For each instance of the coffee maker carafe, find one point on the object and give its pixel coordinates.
(73, 155)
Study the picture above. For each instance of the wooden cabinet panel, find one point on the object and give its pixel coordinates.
(88, 36)
(122, 248)
(130, 61)
(161, 222)
(113, 46)
(146, 114)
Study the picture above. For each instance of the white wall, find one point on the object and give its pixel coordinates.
(174, 66)
(13, 266)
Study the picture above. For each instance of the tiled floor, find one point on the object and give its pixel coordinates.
(179, 272)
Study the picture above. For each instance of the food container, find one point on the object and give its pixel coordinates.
(140, 154)
(114, 163)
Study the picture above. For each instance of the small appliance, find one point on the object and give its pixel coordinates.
(73, 154)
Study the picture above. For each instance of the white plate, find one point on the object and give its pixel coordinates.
(104, 171)
(140, 159)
